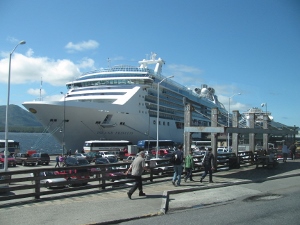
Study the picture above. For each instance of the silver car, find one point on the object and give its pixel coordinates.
(53, 181)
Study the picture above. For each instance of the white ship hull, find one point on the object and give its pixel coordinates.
(82, 122)
(121, 103)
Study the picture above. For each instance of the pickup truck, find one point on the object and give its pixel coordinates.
(25, 159)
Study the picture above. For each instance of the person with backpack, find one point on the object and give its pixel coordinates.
(208, 163)
(189, 166)
(177, 160)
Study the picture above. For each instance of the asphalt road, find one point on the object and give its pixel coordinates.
(269, 203)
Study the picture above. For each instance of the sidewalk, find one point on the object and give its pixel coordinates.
(113, 206)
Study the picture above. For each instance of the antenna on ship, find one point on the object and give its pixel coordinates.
(108, 62)
(41, 89)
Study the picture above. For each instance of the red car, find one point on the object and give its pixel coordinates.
(77, 176)
(161, 152)
(10, 160)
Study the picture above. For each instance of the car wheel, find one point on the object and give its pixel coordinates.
(47, 163)
(15, 165)
(47, 183)
(23, 163)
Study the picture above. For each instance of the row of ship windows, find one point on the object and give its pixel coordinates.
(110, 82)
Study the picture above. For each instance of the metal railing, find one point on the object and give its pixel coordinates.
(27, 184)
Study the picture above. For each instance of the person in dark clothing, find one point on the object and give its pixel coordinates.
(208, 163)
(293, 151)
(178, 166)
(57, 161)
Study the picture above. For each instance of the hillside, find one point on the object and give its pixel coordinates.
(19, 120)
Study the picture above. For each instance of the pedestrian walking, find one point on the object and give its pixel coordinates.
(293, 151)
(61, 160)
(136, 168)
(285, 152)
(177, 160)
(57, 161)
(208, 163)
(189, 166)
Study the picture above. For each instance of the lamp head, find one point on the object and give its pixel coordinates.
(22, 42)
(262, 104)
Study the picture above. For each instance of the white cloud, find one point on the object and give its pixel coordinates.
(28, 69)
(82, 46)
(36, 92)
(86, 63)
(29, 53)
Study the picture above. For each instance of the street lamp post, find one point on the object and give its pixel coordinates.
(7, 104)
(228, 119)
(64, 125)
(157, 114)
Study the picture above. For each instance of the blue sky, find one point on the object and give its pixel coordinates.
(250, 47)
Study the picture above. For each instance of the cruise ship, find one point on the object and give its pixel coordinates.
(121, 103)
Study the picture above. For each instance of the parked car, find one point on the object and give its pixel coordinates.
(11, 161)
(129, 159)
(102, 161)
(91, 156)
(48, 178)
(80, 176)
(80, 155)
(161, 166)
(168, 156)
(112, 159)
(25, 159)
(114, 174)
(71, 161)
(42, 158)
(161, 152)
(111, 173)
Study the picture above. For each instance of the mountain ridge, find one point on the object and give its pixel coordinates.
(19, 120)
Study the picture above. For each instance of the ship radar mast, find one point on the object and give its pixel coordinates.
(159, 62)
